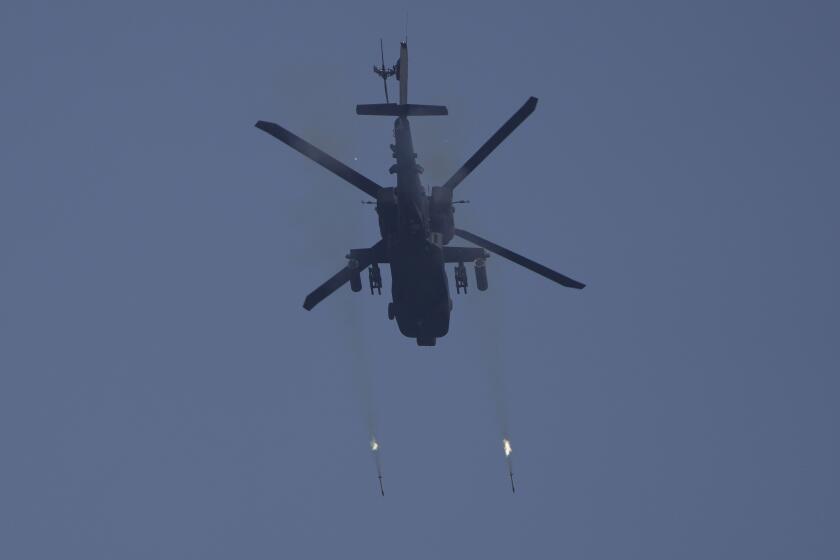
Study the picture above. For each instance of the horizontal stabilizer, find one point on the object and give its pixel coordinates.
(396, 110)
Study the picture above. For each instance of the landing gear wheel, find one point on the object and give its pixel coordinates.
(391, 314)
(426, 341)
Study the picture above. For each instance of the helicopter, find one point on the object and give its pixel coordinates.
(416, 228)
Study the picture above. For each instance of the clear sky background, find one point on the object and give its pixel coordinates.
(164, 395)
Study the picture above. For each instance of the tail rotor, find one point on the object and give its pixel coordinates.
(383, 71)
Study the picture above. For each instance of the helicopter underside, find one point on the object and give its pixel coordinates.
(420, 292)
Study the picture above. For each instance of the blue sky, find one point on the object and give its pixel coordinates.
(164, 395)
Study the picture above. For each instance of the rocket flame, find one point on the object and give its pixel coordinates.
(507, 446)
(374, 445)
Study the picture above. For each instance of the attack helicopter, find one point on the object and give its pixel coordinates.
(416, 227)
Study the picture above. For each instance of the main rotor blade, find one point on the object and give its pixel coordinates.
(320, 157)
(520, 260)
(320, 293)
(492, 143)
(364, 258)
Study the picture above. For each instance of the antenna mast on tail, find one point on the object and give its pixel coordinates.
(402, 73)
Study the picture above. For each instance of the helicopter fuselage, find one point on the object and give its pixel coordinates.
(419, 285)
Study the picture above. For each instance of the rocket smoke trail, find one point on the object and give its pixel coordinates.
(492, 350)
(326, 233)
(349, 315)
(361, 373)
